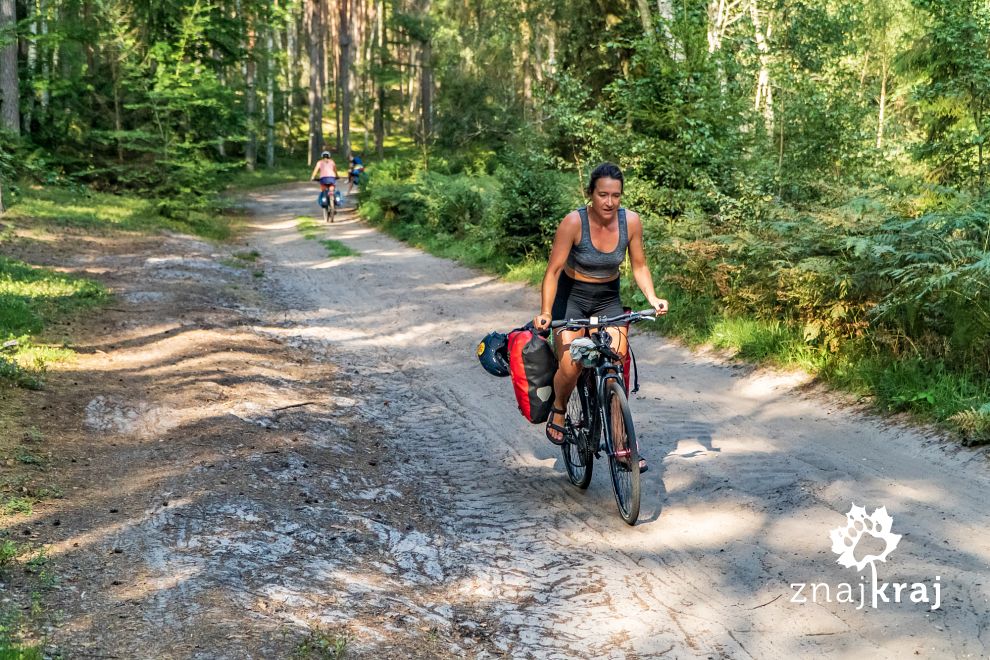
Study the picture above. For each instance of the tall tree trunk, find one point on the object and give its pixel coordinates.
(118, 118)
(32, 70)
(45, 62)
(645, 16)
(251, 102)
(379, 84)
(426, 91)
(763, 99)
(884, 71)
(525, 49)
(10, 104)
(315, 76)
(665, 8)
(344, 72)
(221, 141)
(270, 94)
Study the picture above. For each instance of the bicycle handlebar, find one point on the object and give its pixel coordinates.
(602, 321)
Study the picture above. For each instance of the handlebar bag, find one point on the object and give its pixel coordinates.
(532, 366)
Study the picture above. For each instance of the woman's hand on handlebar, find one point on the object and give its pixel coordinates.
(660, 305)
(541, 321)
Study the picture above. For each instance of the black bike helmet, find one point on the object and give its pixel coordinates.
(493, 353)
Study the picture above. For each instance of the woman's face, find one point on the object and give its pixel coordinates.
(605, 197)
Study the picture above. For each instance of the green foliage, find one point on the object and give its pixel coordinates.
(954, 92)
(10, 506)
(30, 297)
(531, 204)
(455, 204)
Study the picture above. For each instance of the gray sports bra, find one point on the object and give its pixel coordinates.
(585, 257)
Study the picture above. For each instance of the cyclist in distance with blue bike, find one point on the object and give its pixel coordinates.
(582, 278)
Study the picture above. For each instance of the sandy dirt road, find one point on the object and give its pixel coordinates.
(748, 478)
(314, 460)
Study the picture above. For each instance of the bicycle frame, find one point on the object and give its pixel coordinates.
(608, 368)
(604, 410)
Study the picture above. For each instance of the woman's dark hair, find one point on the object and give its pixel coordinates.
(604, 171)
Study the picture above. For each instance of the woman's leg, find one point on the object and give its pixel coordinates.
(566, 377)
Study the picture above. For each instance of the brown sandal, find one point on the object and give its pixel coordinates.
(555, 427)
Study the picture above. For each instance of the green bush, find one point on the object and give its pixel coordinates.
(531, 205)
(456, 203)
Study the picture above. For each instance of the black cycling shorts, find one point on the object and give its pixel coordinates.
(579, 300)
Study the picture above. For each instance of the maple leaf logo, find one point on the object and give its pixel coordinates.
(877, 525)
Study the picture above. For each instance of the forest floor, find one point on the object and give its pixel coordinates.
(263, 451)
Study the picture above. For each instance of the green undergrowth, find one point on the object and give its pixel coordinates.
(19, 622)
(56, 207)
(31, 298)
(284, 171)
(862, 292)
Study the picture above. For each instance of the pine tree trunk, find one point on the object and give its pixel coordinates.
(315, 89)
(10, 103)
(251, 105)
(45, 63)
(426, 91)
(270, 95)
(31, 57)
(344, 71)
(883, 103)
(380, 87)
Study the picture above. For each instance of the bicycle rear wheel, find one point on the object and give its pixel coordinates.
(332, 206)
(578, 450)
(623, 452)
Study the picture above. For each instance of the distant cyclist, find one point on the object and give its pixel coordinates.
(327, 171)
(354, 173)
(582, 277)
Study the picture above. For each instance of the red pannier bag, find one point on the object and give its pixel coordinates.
(532, 366)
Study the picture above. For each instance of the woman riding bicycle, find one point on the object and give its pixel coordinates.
(327, 170)
(582, 281)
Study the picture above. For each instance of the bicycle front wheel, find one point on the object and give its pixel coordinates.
(578, 449)
(623, 452)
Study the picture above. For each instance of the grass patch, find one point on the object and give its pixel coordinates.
(312, 230)
(30, 298)
(322, 644)
(79, 207)
(243, 259)
(309, 228)
(13, 506)
(337, 249)
(288, 171)
(16, 641)
(9, 551)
